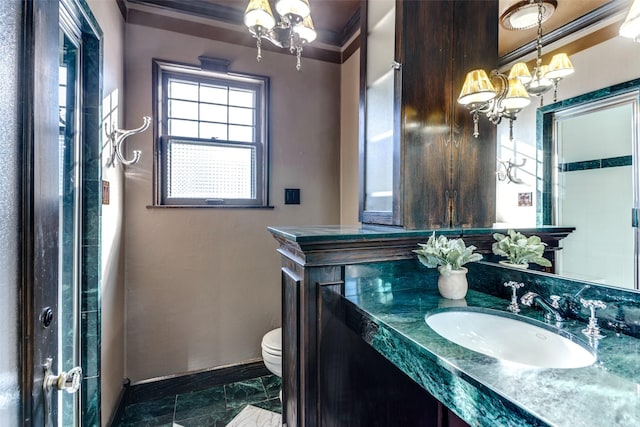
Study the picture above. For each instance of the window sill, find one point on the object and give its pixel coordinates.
(208, 207)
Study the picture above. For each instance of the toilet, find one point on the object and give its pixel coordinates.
(272, 351)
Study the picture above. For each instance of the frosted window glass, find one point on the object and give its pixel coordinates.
(379, 153)
(381, 16)
(10, 149)
(211, 171)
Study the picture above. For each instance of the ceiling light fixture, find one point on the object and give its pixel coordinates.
(292, 31)
(511, 94)
(631, 26)
(524, 14)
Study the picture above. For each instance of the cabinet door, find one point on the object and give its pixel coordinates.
(379, 115)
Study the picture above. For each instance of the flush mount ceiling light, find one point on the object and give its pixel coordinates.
(631, 26)
(511, 94)
(524, 14)
(292, 30)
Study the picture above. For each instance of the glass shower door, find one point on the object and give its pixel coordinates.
(69, 190)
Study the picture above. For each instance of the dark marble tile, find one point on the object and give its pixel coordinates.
(163, 421)
(272, 385)
(90, 349)
(160, 411)
(244, 392)
(91, 212)
(617, 161)
(273, 405)
(581, 166)
(200, 403)
(91, 401)
(91, 278)
(218, 419)
(198, 381)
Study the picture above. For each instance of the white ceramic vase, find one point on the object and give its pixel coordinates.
(453, 284)
(509, 264)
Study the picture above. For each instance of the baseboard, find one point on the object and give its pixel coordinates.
(118, 413)
(178, 384)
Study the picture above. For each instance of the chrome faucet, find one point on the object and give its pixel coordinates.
(553, 312)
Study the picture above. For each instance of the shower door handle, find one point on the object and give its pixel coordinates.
(635, 217)
(67, 381)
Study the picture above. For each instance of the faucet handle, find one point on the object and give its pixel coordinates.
(513, 306)
(592, 303)
(555, 301)
(593, 330)
(513, 284)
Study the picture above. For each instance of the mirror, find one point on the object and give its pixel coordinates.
(590, 181)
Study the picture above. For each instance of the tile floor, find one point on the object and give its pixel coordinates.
(212, 407)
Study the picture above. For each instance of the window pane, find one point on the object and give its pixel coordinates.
(213, 113)
(183, 90)
(210, 171)
(183, 128)
(183, 110)
(241, 116)
(241, 98)
(213, 131)
(213, 94)
(241, 133)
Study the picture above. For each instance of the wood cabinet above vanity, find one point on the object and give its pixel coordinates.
(421, 167)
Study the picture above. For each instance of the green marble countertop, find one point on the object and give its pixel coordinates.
(480, 389)
(305, 234)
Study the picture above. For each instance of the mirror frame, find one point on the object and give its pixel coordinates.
(545, 135)
(625, 92)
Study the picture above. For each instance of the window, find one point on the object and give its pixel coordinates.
(212, 145)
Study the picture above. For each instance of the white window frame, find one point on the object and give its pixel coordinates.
(162, 71)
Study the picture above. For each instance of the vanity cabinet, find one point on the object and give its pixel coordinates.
(420, 166)
(321, 382)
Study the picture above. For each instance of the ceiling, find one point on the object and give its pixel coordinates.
(337, 20)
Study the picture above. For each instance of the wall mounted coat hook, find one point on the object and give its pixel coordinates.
(507, 171)
(116, 138)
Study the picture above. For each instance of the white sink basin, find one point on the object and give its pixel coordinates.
(510, 337)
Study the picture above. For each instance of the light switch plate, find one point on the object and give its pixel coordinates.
(291, 196)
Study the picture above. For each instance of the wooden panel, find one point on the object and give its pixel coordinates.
(426, 96)
(290, 345)
(359, 387)
(341, 252)
(473, 160)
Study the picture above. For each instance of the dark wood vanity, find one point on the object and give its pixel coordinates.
(318, 356)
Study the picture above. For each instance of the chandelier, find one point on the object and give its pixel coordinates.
(292, 31)
(509, 95)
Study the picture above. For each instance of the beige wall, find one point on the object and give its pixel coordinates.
(203, 285)
(112, 288)
(349, 107)
(614, 61)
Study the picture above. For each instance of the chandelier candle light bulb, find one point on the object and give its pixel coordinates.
(292, 31)
(512, 94)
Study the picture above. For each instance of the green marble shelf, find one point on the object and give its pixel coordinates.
(388, 301)
(323, 233)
